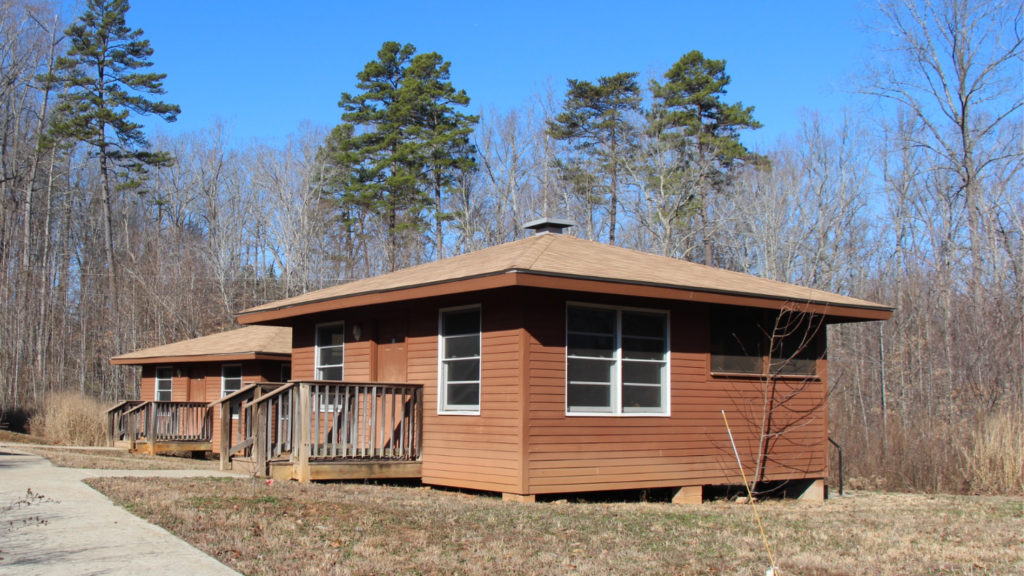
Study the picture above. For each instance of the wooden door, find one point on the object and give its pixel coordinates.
(391, 352)
(197, 384)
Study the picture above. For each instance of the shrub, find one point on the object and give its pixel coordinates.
(994, 457)
(70, 419)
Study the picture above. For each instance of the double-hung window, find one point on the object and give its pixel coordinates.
(459, 368)
(616, 361)
(330, 351)
(230, 379)
(164, 383)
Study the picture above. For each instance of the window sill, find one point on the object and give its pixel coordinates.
(622, 415)
(457, 413)
(752, 376)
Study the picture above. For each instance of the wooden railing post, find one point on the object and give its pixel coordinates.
(260, 440)
(305, 415)
(225, 435)
(151, 432)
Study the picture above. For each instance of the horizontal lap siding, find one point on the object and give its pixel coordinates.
(584, 453)
(476, 452)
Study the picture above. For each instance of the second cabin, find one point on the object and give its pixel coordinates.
(549, 365)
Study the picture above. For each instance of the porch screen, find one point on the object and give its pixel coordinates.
(164, 383)
(616, 361)
(460, 360)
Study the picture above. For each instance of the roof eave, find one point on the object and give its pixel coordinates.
(175, 359)
(521, 277)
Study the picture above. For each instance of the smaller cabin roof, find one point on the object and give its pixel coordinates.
(565, 262)
(248, 343)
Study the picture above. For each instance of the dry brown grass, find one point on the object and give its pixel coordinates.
(994, 460)
(70, 419)
(114, 459)
(19, 438)
(366, 529)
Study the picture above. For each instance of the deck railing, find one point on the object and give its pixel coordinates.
(138, 421)
(320, 421)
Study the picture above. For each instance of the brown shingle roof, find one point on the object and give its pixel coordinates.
(570, 257)
(252, 340)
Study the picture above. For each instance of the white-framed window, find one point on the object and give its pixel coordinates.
(164, 383)
(459, 360)
(330, 351)
(230, 379)
(616, 361)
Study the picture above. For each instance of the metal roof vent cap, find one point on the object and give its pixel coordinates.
(545, 225)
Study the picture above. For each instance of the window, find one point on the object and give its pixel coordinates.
(741, 338)
(286, 372)
(230, 379)
(795, 346)
(164, 383)
(330, 351)
(737, 340)
(460, 361)
(616, 361)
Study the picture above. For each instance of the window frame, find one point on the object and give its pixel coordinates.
(616, 386)
(280, 372)
(767, 359)
(169, 380)
(241, 378)
(442, 408)
(317, 347)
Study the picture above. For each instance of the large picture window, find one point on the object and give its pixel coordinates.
(616, 361)
(460, 361)
(330, 351)
(164, 383)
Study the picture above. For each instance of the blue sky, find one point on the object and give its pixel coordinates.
(267, 66)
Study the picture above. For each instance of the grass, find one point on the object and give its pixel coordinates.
(114, 459)
(365, 529)
(19, 438)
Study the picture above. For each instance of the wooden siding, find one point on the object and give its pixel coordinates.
(469, 451)
(691, 447)
(252, 371)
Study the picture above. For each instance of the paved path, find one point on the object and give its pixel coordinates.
(86, 533)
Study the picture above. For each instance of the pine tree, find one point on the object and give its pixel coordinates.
(103, 88)
(689, 113)
(442, 132)
(406, 146)
(595, 120)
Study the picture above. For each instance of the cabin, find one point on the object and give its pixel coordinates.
(180, 383)
(549, 365)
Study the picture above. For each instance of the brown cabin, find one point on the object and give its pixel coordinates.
(549, 365)
(182, 381)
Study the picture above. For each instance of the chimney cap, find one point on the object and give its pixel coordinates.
(553, 225)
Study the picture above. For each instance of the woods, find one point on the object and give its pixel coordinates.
(112, 239)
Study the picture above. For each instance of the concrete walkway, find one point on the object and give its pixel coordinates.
(85, 532)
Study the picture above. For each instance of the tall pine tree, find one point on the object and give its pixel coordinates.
(595, 120)
(103, 87)
(689, 113)
(406, 144)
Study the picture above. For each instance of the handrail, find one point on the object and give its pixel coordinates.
(265, 397)
(245, 388)
(119, 405)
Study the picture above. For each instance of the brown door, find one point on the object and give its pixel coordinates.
(197, 384)
(391, 353)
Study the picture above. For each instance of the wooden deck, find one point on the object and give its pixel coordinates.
(320, 430)
(160, 427)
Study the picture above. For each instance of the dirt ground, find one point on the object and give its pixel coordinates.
(367, 529)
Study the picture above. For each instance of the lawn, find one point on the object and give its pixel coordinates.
(115, 459)
(369, 529)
